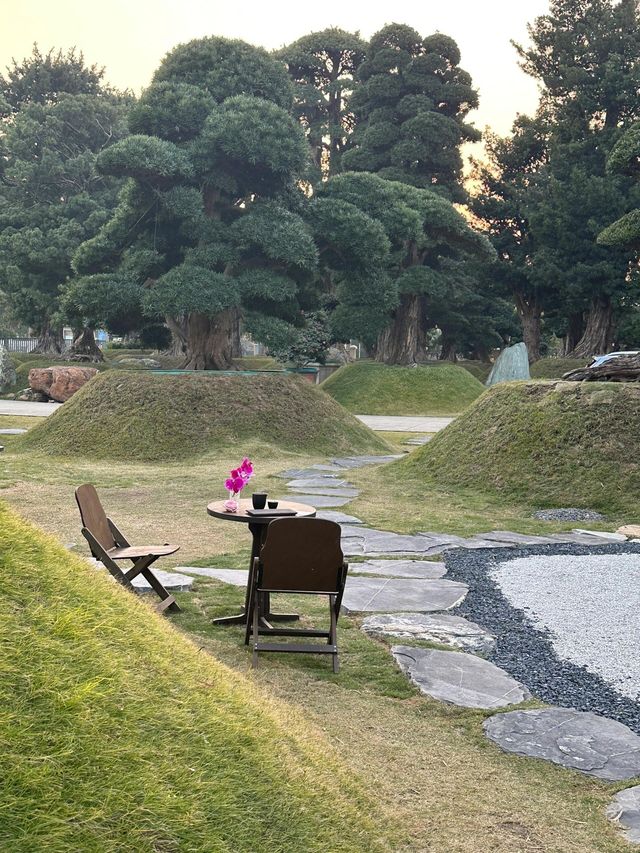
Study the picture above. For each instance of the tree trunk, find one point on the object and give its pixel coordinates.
(575, 330)
(530, 315)
(448, 351)
(50, 340)
(598, 331)
(84, 347)
(404, 341)
(209, 341)
(236, 343)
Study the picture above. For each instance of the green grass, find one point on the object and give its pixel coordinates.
(555, 368)
(366, 388)
(479, 369)
(546, 444)
(118, 733)
(140, 416)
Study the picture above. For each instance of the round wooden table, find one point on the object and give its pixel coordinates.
(258, 526)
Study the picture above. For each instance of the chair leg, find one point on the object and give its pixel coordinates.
(141, 567)
(333, 633)
(256, 635)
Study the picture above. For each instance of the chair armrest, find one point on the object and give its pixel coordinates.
(118, 538)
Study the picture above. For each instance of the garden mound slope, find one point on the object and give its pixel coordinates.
(142, 416)
(379, 389)
(544, 443)
(119, 733)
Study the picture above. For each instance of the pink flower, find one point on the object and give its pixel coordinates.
(239, 477)
(228, 484)
(246, 468)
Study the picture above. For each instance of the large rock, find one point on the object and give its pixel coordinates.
(434, 628)
(512, 363)
(7, 369)
(625, 811)
(59, 383)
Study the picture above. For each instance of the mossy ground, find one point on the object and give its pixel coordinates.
(141, 416)
(542, 443)
(366, 388)
(555, 368)
(119, 733)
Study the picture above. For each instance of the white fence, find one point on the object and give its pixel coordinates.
(18, 344)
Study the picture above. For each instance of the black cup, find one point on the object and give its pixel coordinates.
(259, 500)
(272, 504)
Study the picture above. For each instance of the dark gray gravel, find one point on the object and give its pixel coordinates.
(525, 651)
(568, 514)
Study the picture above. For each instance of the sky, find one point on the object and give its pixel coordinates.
(130, 37)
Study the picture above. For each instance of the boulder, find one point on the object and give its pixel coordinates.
(7, 369)
(59, 383)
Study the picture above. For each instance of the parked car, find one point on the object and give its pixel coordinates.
(602, 359)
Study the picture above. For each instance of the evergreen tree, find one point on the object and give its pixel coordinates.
(206, 227)
(52, 200)
(322, 66)
(410, 103)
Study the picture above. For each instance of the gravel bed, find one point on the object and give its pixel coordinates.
(568, 514)
(526, 650)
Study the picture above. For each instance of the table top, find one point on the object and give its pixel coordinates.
(217, 510)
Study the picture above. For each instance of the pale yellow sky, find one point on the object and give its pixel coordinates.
(130, 37)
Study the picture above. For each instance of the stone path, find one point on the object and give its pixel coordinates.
(375, 595)
(398, 423)
(578, 740)
(461, 679)
(28, 410)
(399, 568)
(435, 628)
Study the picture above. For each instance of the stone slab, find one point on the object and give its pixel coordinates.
(404, 423)
(375, 595)
(459, 678)
(174, 581)
(624, 810)
(339, 517)
(326, 490)
(601, 534)
(12, 431)
(419, 441)
(318, 482)
(362, 461)
(321, 500)
(437, 628)
(578, 740)
(630, 530)
(399, 568)
(509, 538)
(235, 577)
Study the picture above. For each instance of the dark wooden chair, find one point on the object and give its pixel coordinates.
(108, 545)
(299, 556)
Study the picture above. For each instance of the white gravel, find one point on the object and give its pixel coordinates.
(589, 604)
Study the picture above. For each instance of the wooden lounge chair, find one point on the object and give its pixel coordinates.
(108, 546)
(299, 556)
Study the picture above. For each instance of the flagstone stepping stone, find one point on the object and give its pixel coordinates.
(339, 517)
(371, 595)
(624, 810)
(170, 580)
(298, 473)
(578, 740)
(370, 542)
(419, 441)
(12, 431)
(513, 538)
(330, 467)
(437, 628)
(318, 482)
(235, 577)
(461, 679)
(362, 461)
(601, 534)
(322, 500)
(326, 490)
(399, 568)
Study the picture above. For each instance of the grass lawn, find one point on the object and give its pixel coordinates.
(428, 764)
(555, 368)
(367, 388)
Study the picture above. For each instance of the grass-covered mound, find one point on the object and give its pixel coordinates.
(555, 368)
(379, 389)
(134, 415)
(118, 734)
(544, 443)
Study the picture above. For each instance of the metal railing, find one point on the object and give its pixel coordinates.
(19, 344)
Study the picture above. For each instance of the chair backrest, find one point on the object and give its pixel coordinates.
(302, 555)
(93, 515)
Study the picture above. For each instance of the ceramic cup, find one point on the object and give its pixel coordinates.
(272, 504)
(259, 500)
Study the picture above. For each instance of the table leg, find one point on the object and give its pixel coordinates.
(258, 532)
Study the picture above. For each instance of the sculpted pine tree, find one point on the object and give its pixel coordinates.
(625, 160)
(322, 66)
(204, 226)
(584, 53)
(425, 235)
(410, 103)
